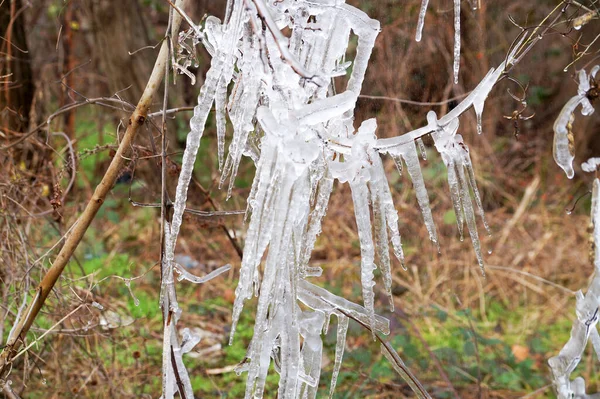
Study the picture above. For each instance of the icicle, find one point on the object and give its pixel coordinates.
(469, 213)
(455, 155)
(220, 102)
(245, 98)
(258, 232)
(455, 196)
(564, 146)
(367, 254)
(398, 162)
(421, 22)
(219, 67)
(340, 344)
(391, 216)
(314, 226)
(380, 228)
(367, 30)
(473, 185)
(456, 39)
(311, 324)
(409, 154)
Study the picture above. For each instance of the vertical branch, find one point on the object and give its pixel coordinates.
(164, 200)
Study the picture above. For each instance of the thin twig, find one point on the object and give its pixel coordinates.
(412, 102)
(47, 332)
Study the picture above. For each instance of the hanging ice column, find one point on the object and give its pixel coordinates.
(456, 51)
(289, 100)
(363, 169)
(461, 180)
(221, 42)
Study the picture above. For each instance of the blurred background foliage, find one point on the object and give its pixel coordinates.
(490, 337)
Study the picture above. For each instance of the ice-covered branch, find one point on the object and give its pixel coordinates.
(475, 99)
(456, 51)
(584, 326)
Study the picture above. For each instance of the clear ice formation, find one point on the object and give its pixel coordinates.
(276, 92)
(461, 180)
(584, 326)
(421, 22)
(456, 50)
(456, 64)
(564, 146)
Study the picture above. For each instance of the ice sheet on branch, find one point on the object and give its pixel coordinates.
(564, 141)
(275, 93)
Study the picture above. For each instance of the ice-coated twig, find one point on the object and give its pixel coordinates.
(340, 345)
(404, 372)
(185, 275)
(564, 141)
(456, 53)
(408, 153)
(421, 22)
(319, 298)
(475, 99)
(584, 326)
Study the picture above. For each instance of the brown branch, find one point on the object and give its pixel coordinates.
(391, 355)
(136, 120)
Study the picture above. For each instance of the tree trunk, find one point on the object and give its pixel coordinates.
(119, 29)
(16, 83)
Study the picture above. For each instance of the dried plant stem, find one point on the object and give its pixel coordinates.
(136, 120)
